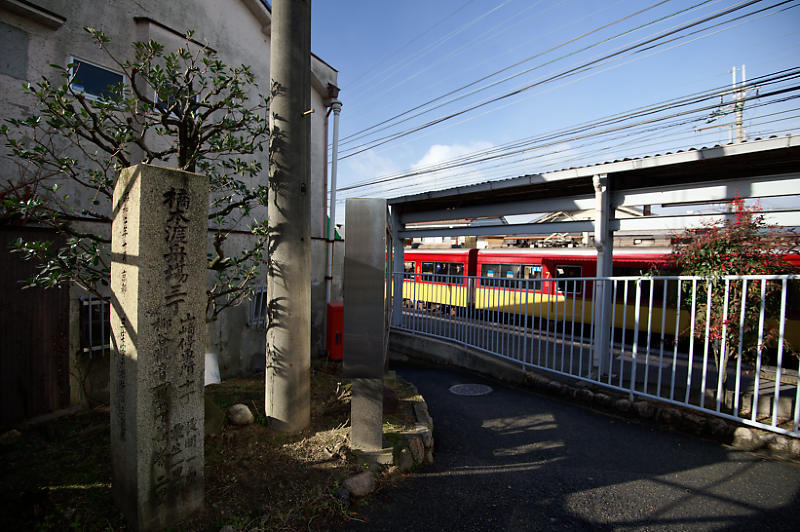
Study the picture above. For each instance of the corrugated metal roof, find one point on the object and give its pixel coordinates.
(615, 166)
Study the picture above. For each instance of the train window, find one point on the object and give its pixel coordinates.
(451, 269)
(456, 268)
(532, 271)
(624, 271)
(490, 270)
(501, 274)
(511, 271)
(569, 272)
(408, 266)
(427, 267)
(446, 268)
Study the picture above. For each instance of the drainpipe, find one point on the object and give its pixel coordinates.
(336, 107)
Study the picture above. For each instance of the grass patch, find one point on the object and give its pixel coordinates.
(57, 476)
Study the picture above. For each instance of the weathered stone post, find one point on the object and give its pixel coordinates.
(365, 293)
(158, 285)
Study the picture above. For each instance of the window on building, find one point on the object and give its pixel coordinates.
(95, 321)
(94, 81)
(258, 307)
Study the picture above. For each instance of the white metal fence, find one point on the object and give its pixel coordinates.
(725, 346)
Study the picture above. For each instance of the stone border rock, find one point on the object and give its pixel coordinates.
(411, 448)
(416, 444)
(672, 416)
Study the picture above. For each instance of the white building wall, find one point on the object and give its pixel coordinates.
(239, 31)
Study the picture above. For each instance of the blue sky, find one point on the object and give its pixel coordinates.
(395, 56)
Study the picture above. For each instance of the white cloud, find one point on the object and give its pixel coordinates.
(439, 153)
(444, 153)
(364, 167)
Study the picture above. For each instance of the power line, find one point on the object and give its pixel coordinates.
(764, 80)
(569, 72)
(617, 65)
(444, 57)
(658, 140)
(421, 53)
(586, 130)
(359, 134)
(563, 74)
(411, 41)
(657, 126)
(584, 155)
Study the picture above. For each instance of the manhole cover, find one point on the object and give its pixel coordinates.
(470, 389)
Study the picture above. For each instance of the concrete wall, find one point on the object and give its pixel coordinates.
(404, 345)
(51, 32)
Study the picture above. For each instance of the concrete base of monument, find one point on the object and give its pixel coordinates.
(407, 430)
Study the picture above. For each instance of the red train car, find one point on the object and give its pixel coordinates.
(450, 262)
(496, 267)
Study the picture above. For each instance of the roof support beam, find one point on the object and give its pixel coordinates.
(504, 229)
(686, 221)
(574, 203)
(756, 187)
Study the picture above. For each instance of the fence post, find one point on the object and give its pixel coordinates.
(399, 269)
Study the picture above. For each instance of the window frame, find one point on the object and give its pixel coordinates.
(86, 94)
(561, 286)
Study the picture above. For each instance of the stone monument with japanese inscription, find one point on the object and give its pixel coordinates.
(158, 284)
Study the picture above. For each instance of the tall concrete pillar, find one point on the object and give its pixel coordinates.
(287, 393)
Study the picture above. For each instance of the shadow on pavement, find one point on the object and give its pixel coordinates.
(515, 460)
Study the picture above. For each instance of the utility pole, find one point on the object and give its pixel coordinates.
(288, 365)
(739, 95)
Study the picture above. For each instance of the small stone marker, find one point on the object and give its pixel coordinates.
(158, 284)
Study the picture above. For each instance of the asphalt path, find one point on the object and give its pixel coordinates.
(517, 460)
